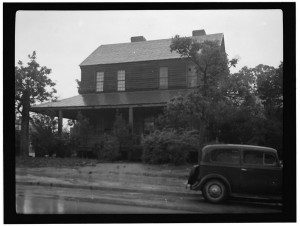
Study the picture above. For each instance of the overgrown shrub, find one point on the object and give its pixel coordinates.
(50, 144)
(107, 148)
(43, 135)
(168, 146)
(63, 148)
(44, 143)
(135, 153)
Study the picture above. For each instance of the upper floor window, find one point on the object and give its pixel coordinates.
(121, 80)
(163, 78)
(99, 81)
(192, 76)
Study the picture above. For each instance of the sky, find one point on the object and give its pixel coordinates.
(63, 39)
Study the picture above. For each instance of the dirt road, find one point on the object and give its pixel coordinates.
(47, 200)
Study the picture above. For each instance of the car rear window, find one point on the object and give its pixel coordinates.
(253, 157)
(269, 159)
(230, 156)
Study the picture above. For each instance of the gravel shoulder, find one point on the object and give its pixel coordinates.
(93, 174)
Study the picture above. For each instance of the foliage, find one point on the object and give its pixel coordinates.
(78, 85)
(34, 79)
(243, 107)
(193, 111)
(135, 153)
(203, 108)
(211, 62)
(45, 138)
(249, 111)
(81, 129)
(107, 148)
(168, 146)
(270, 89)
(32, 84)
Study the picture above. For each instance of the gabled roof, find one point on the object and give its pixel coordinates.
(140, 51)
(117, 99)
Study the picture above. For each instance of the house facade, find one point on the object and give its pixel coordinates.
(136, 79)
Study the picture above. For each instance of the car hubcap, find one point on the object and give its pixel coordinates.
(215, 190)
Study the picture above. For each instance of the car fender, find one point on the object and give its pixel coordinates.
(213, 176)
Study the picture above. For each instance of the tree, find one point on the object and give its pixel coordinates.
(243, 107)
(211, 61)
(270, 92)
(270, 89)
(32, 84)
(199, 108)
(78, 85)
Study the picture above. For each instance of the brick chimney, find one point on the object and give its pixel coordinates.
(137, 39)
(199, 32)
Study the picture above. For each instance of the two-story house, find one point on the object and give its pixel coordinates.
(136, 78)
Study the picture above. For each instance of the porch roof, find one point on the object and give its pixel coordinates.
(111, 100)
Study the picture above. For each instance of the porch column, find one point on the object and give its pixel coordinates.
(60, 122)
(130, 119)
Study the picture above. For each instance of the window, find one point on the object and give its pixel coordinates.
(121, 80)
(192, 76)
(226, 156)
(163, 78)
(253, 157)
(269, 159)
(99, 81)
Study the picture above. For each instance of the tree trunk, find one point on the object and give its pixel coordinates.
(204, 83)
(24, 143)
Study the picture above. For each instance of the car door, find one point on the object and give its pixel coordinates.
(253, 176)
(274, 171)
(225, 162)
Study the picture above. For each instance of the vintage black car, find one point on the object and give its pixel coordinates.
(227, 170)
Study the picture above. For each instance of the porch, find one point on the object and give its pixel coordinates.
(138, 109)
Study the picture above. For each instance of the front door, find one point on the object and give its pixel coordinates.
(260, 173)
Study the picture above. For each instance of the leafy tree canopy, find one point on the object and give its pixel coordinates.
(32, 84)
(33, 79)
(211, 62)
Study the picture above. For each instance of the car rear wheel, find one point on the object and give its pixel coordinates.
(214, 191)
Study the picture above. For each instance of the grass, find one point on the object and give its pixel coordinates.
(54, 162)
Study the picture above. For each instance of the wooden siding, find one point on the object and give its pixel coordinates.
(138, 75)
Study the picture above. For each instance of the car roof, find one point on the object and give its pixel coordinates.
(243, 146)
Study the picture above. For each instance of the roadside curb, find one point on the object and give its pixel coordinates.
(103, 188)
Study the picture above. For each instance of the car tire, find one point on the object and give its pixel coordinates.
(214, 191)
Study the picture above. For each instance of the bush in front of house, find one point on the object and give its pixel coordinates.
(44, 143)
(108, 148)
(135, 153)
(168, 146)
(51, 145)
(63, 148)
